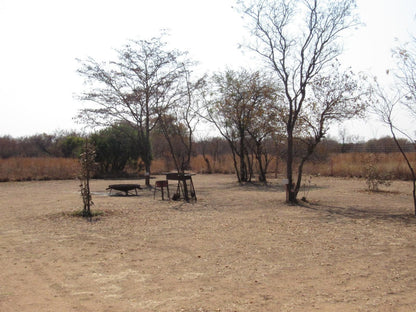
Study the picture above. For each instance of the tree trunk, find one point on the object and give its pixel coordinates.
(148, 151)
(414, 194)
(146, 155)
(276, 169)
(241, 154)
(235, 164)
(409, 165)
(189, 149)
(262, 172)
(262, 169)
(291, 198)
(209, 168)
(249, 166)
(147, 174)
(299, 180)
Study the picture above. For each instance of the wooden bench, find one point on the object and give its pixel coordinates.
(126, 188)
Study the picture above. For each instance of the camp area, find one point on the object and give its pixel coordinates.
(239, 247)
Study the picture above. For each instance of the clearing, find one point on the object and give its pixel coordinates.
(239, 248)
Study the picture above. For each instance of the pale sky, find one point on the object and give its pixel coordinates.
(40, 40)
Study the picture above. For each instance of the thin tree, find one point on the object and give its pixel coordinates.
(136, 88)
(390, 102)
(298, 40)
(178, 125)
(87, 161)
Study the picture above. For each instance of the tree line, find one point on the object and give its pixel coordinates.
(284, 108)
(116, 147)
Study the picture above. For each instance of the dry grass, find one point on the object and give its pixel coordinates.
(338, 165)
(27, 169)
(352, 165)
(220, 164)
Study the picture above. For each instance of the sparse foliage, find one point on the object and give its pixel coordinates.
(179, 124)
(374, 177)
(137, 88)
(333, 98)
(87, 160)
(241, 106)
(406, 74)
(298, 40)
(403, 95)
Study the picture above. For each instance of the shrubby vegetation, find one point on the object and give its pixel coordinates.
(213, 155)
(57, 145)
(116, 147)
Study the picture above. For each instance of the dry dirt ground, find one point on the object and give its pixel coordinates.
(238, 248)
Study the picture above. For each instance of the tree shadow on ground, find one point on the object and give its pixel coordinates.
(258, 187)
(354, 213)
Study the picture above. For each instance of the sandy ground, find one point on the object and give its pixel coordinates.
(238, 248)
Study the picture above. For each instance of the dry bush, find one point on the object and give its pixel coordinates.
(374, 176)
(26, 169)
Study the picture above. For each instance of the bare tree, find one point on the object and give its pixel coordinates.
(403, 96)
(87, 161)
(137, 88)
(406, 74)
(179, 124)
(188, 113)
(298, 40)
(385, 108)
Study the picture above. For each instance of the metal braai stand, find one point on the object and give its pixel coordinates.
(185, 188)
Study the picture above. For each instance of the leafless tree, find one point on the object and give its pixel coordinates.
(179, 124)
(402, 96)
(298, 40)
(406, 74)
(386, 108)
(87, 161)
(137, 88)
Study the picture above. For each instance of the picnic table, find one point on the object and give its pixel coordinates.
(126, 188)
(185, 188)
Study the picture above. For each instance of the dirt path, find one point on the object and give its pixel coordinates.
(239, 248)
